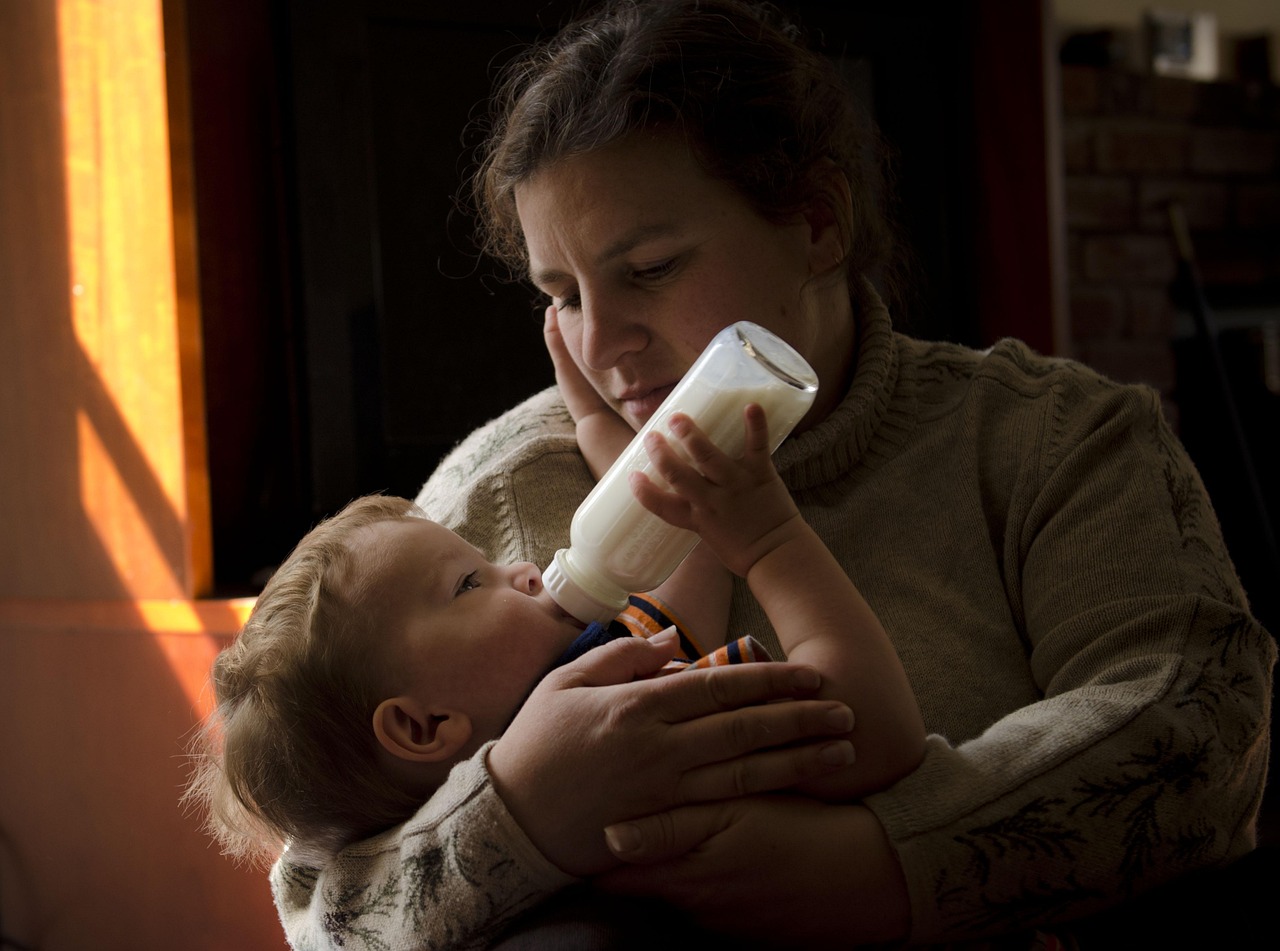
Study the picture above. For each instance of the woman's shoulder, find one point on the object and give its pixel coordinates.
(538, 426)
(1008, 361)
(1009, 370)
(511, 487)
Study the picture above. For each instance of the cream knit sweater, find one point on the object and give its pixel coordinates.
(1047, 564)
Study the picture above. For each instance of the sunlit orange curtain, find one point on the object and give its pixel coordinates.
(102, 472)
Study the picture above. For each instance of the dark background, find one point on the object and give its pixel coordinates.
(352, 335)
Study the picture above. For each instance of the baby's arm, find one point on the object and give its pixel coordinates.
(698, 591)
(747, 518)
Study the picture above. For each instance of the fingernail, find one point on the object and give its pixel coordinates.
(665, 636)
(841, 718)
(833, 754)
(807, 679)
(622, 838)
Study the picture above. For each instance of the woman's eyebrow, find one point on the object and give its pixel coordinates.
(541, 277)
(628, 242)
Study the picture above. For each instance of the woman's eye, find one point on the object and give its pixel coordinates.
(656, 272)
(470, 581)
(568, 302)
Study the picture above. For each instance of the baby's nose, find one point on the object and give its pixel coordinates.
(527, 577)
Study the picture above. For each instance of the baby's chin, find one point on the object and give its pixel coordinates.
(570, 630)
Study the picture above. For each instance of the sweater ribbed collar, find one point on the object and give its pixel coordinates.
(831, 448)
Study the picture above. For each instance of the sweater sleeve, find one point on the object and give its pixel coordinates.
(453, 877)
(1147, 755)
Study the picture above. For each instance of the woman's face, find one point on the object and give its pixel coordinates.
(646, 257)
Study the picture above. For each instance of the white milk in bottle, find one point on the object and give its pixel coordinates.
(615, 545)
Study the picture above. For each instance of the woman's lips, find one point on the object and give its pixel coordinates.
(643, 405)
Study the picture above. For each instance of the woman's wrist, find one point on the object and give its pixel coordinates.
(837, 880)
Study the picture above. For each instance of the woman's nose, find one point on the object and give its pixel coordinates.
(610, 330)
(526, 578)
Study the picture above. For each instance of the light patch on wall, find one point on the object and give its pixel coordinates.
(119, 522)
(121, 293)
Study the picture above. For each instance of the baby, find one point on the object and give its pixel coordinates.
(386, 649)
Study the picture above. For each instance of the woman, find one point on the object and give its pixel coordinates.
(1032, 537)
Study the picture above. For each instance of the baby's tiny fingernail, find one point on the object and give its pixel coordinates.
(622, 838)
(836, 754)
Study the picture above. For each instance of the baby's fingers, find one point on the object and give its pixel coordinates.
(756, 426)
(714, 463)
(701, 451)
(667, 462)
(669, 507)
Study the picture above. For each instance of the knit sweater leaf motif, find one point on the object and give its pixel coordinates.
(1046, 562)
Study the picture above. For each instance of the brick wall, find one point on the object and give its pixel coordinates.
(1131, 144)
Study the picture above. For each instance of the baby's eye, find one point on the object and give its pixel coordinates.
(470, 581)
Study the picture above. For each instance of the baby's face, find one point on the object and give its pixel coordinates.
(465, 633)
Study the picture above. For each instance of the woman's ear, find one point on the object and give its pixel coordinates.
(409, 731)
(828, 215)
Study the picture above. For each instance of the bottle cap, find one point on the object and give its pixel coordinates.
(569, 594)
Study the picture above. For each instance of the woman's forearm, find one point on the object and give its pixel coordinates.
(841, 885)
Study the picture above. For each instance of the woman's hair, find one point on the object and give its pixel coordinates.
(759, 110)
(289, 754)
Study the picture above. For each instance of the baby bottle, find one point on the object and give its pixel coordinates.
(616, 546)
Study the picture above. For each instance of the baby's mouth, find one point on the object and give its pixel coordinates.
(569, 618)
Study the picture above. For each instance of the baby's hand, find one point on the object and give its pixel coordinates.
(602, 433)
(739, 506)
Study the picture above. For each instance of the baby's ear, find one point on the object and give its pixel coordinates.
(410, 731)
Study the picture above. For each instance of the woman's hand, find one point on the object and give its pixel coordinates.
(776, 869)
(590, 747)
(602, 433)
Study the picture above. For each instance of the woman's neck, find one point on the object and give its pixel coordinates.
(835, 358)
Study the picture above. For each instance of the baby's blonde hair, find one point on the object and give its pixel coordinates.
(289, 755)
